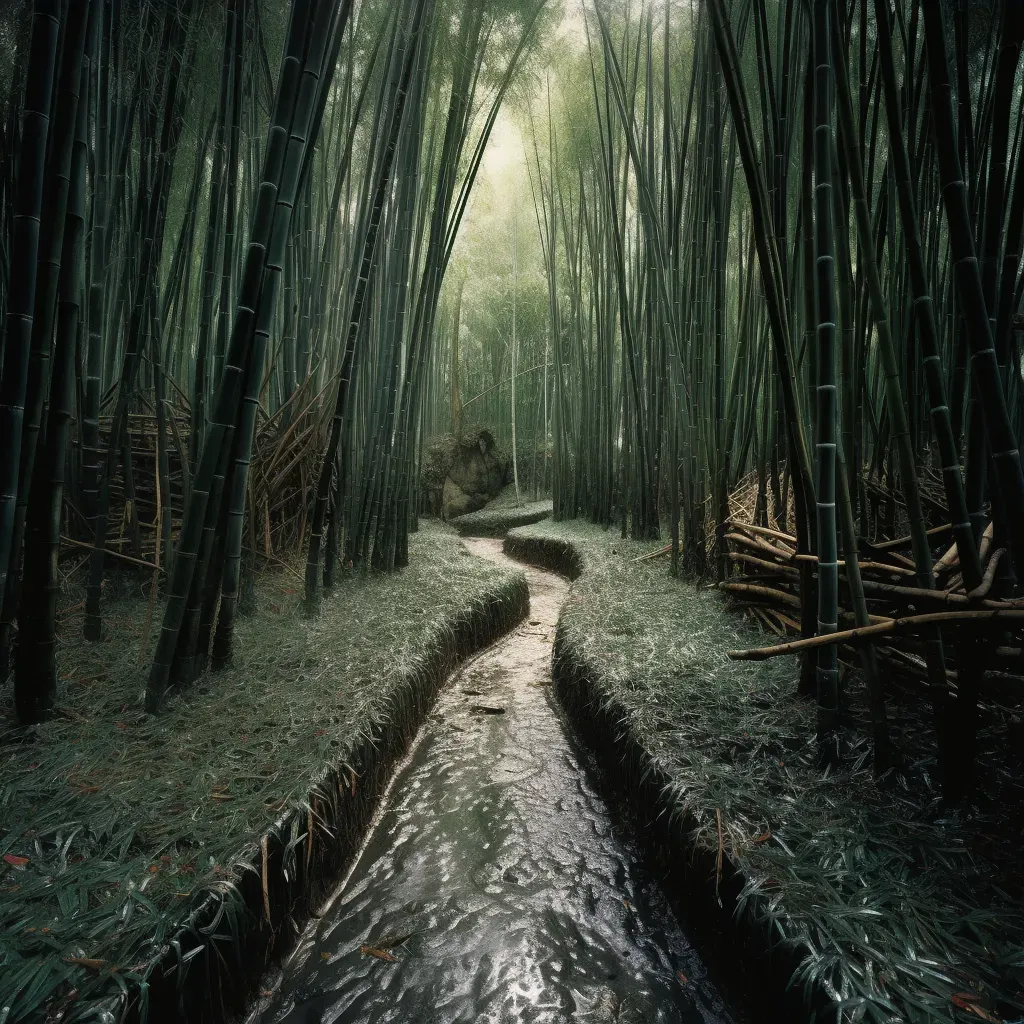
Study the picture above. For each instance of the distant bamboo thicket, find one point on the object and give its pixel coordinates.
(492, 347)
(782, 244)
(225, 229)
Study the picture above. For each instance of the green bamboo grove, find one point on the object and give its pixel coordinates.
(752, 286)
(781, 243)
(226, 227)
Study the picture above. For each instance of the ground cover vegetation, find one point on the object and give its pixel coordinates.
(120, 825)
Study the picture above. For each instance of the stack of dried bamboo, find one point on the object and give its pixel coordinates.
(767, 589)
(134, 523)
(285, 462)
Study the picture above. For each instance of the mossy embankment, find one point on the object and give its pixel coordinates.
(502, 514)
(156, 864)
(823, 894)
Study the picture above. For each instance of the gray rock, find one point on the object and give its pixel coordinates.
(470, 470)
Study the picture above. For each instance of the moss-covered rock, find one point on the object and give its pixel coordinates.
(462, 473)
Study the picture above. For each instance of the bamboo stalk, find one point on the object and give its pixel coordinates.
(909, 623)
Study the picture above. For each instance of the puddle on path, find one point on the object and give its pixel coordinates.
(498, 859)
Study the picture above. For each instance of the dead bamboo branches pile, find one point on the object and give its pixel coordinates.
(764, 584)
(285, 463)
(282, 480)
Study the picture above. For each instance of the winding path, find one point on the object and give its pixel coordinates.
(497, 858)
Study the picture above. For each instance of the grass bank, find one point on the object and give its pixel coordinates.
(502, 514)
(153, 866)
(875, 904)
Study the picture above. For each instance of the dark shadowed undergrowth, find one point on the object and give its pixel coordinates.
(905, 911)
(115, 825)
(502, 514)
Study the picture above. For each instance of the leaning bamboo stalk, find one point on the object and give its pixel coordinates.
(363, 260)
(317, 75)
(142, 563)
(895, 399)
(906, 624)
(150, 202)
(775, 294)
(229, 388)
(765, 531)
(24, 252)
(896, 405)
(985, 370)
(923, 304)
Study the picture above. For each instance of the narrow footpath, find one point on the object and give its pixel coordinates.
(493, 887)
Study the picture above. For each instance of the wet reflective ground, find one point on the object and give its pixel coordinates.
(493, 887)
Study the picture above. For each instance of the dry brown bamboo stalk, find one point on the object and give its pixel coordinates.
(895, 570)
(982, 589)
(910, 623)
(108, 551)
(763, 614)
(986, 543)
(757, 544)
(655, 554)
(767, 593)
(766, 531)
(949, 559)
(904, 542)
(772, 567)
(939, 597)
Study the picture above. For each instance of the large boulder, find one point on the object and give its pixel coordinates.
(461, 474)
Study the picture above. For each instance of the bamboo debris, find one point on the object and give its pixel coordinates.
(910, 623)
(286, 456)
(770, 585)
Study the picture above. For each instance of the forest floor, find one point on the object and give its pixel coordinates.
(898, 909)
(502, 514)
(115, 825)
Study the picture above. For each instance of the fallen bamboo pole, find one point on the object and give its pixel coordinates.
(776, 568)
(904, 542)
(788, 538)
(655, 554)
(909, 623)
(108, 551)
(982, 589)
(765, 593)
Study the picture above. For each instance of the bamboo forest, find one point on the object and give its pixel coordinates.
(511, 511)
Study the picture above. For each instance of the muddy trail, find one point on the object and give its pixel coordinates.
(494, 886)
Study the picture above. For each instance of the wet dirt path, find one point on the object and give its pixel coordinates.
(494, 888)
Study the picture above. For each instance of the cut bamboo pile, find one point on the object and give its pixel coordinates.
(133, 526)
(285, 462)
(764, 584)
